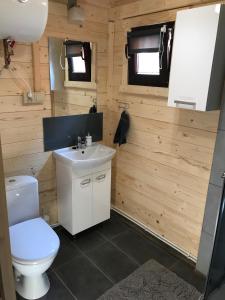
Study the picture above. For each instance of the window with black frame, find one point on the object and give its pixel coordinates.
(148, 51)
(78, 55)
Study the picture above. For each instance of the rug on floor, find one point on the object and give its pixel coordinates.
(152, 281)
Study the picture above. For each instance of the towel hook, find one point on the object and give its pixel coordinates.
(123, 105)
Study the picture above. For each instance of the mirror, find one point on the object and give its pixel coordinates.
(72, 76)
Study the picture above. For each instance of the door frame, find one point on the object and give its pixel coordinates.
(7, 286)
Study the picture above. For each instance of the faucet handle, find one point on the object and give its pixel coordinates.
(83, 142)
(83, 139)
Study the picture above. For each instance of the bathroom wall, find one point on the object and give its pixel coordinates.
(114, 3)
(21, 126)
(161, 175)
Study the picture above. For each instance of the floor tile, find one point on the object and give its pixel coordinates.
(57, 290)
(84, 280)
(113, 227)
(62, 234)
(187, 272)
(157, 242)
(89, 239)
(95, 259)
(112, 261)
(66, 250)
(142, 249)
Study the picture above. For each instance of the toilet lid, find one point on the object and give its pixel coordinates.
(33, 240)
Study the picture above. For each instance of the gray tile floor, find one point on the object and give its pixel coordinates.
(92, 262)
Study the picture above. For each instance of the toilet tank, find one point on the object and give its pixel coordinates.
(22, 198)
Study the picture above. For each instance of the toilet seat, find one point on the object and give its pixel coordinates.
(33, 242)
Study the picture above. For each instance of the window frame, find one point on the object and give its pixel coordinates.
(133, 77)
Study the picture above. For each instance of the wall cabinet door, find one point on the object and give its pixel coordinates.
(198, 61)
(101, 196)
(82, 203)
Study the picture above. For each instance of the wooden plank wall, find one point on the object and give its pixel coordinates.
(161, 175)
(114, 3)
(95, 29)
(7, 287)
(21, 126)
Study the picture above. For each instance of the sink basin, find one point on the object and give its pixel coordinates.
(90, 157)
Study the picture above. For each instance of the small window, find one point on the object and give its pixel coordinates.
(78, 55)
(148, 51)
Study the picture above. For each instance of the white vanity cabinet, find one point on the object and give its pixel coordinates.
(83, 196)
(101, 196)
(198, 60)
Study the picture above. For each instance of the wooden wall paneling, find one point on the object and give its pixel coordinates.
(7, 279)
(115, 3)
(110, 62)
(168, 150)
(36, 66)
(98, 3)
(144, 7)
(166, 147)
(21, 126)
(93, 62)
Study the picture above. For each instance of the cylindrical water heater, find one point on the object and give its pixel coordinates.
(23, 20)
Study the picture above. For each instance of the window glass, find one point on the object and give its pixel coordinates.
(148, 63)
(78, 65)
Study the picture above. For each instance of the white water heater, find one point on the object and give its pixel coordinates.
(23, 20)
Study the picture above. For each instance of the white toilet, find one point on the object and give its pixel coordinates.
(34, 244)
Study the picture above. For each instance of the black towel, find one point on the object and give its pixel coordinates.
(122, 129)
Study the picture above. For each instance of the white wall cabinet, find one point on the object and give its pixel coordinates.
(83, 197)
(198, 59)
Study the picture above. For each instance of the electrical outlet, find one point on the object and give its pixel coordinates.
(37, 98)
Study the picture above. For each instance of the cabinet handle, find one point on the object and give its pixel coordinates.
(85, 182)
(184, 102)
(100, 177)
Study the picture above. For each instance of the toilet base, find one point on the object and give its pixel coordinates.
(33, 287)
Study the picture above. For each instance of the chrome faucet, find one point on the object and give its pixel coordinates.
(81, 142)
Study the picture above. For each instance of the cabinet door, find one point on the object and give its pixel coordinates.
(101, 196)
(196, 35)
(82, 203)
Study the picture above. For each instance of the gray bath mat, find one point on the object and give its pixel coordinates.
(152, 281)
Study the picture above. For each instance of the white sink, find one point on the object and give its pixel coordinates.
(90, 157)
